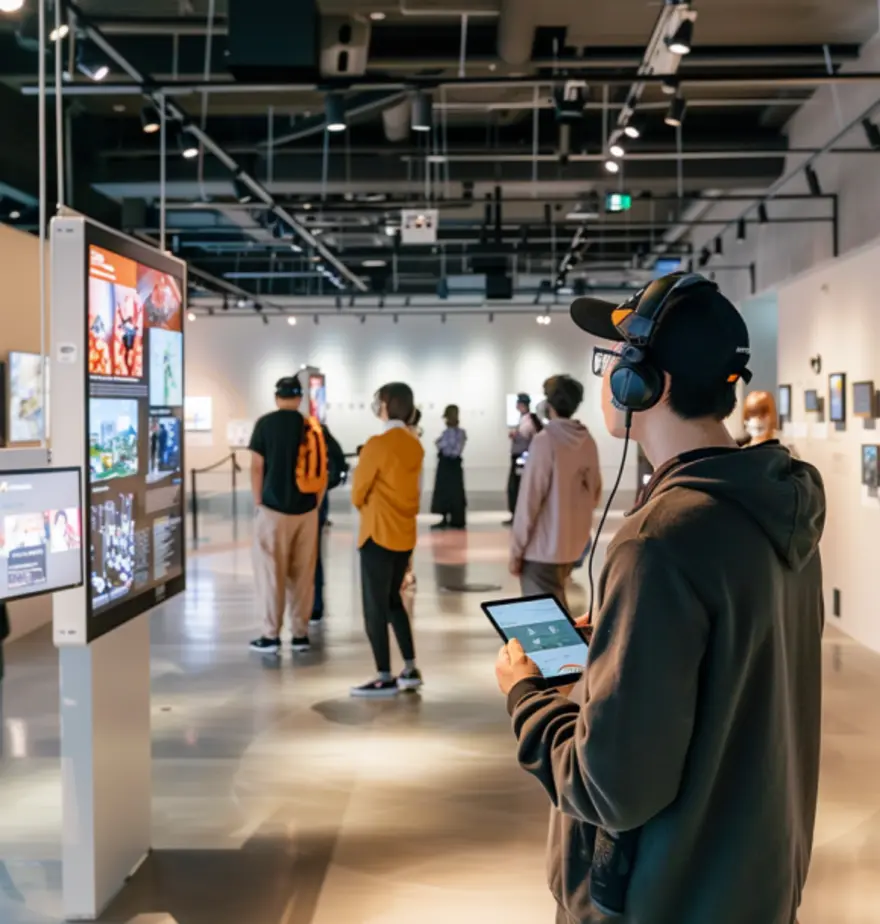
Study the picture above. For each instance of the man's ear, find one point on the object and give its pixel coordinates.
(667, 385)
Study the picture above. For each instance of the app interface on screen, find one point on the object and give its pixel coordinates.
(135, 427)
(40, 532)
(547, 637)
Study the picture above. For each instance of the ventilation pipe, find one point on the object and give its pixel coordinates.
(396, 121)
(516, 31)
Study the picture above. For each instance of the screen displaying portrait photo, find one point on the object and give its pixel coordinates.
(837, 397)
(165, 447)
(40, 532)
(864, 400)
(25, 388)
(166, 368)
(784, 402)
(869, 466)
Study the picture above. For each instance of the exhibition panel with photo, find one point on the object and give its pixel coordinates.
(135, 523)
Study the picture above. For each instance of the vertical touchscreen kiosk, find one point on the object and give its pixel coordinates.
(117, 393)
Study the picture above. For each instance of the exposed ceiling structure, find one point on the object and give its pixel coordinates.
(516, 120)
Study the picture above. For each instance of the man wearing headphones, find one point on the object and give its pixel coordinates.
(683, 768)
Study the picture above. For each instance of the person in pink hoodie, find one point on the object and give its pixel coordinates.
(561, 488)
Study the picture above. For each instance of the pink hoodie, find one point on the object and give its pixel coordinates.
(561, 488)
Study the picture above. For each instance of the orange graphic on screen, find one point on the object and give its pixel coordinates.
(116, 317)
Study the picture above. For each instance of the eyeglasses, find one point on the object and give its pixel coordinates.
(602, 359)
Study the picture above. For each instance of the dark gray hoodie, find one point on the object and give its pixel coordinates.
(698, 727)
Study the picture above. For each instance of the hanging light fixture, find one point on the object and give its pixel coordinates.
(763, 217)
(189, 148)
(632, 130)
(612, 166)
(11, 6)
(719, 246)
(615, 146)
(813, 180)
(334, 111)
(243, 192)
(741, 230)
(675, 115)
(151, 121)
(421, 112)
(90, 64)
(681, 41)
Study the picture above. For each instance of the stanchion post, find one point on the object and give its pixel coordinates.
(234, 497)
(195, 508)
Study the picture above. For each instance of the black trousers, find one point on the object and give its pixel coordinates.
(450, 500)
(513, 480)
(382, 573)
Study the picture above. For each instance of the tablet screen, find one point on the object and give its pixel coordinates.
(544, 631)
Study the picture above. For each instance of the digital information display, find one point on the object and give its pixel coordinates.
(40, 532)
(24, 393)
(134, 414)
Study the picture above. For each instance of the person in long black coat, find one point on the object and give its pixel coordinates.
(449, 501)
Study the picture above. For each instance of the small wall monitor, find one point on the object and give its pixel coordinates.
(811, 400)
(864, 400)
(24, 391)
(784, 403)
(41, 547)
(869, 466)
(837, 397)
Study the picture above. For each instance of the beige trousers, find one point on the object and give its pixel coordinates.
(285, 553)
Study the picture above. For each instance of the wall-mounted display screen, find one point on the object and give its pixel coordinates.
(318, 397)
(837, 397)
(135, 520)
(864, 400)
(869, 466)
(811, 400)
(40, 532)
(24, 393)
(784, 402)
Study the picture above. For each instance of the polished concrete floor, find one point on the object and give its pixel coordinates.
(279, 800)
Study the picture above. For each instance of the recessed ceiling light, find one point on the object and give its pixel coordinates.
(291, 321)
(119, 107)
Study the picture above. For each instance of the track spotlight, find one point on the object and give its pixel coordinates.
(763, 217)
(59, 34)
(680, 43)
(813, 180)
(11, 6)
(872, 132)
(705, 257)
(612, 166)
(396, 319)
(363, 319)
(719, 246)
(317, 320)
(243, 192)
(615, 146)
(334, 111)
(151, 121)
(422, 111)
(191, 316)
(91, 64)
(265, 320)
(632, 130)
(28, 32)
(189, 148)
(675, 116)
(669, 86)
(279, 229)
(226, 303)
(741, 230)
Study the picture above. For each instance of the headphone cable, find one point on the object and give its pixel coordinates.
(606, 511)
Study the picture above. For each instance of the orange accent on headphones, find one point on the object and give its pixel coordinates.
(619, 315)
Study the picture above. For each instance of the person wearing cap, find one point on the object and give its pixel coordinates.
(561, 487)
(521, 438)
(285, 523)
(683, 767)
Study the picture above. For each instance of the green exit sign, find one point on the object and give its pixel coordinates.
(618, 202)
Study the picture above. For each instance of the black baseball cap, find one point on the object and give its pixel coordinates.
(523, 398)
(702, 337)
(288, 387)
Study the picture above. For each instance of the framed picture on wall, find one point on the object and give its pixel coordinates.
(837, 397)
(811, 401)
(198, 414)
(864, 400)
(869, 466)
(784, 404)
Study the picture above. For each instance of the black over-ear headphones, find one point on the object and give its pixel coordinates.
(637, 382)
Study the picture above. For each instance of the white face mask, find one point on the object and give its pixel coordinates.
(756, 426)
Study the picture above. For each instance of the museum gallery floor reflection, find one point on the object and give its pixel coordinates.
(279, 800)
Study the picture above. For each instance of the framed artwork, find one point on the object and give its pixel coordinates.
(864, 400)
(869, 466)
(784, 404)
(811, 400)
(837, 397)
(198, 414)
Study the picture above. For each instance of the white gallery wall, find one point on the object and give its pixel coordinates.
(832, 311)
(466, 361)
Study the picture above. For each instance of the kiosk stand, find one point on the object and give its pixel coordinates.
(117, 378)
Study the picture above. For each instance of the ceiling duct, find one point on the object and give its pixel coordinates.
(345, 45)
(516, 31)
(396, 120)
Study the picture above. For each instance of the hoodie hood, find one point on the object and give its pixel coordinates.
(569, 434)
(783, 495)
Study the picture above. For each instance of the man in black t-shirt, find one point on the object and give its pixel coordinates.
(285, 522)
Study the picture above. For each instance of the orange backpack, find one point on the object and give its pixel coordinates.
(311, 464)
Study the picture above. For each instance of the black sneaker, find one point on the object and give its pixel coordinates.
(441, 525)
(266, 645)
(376, 688)
(317, 618)
(301, 645)
(410, 680)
